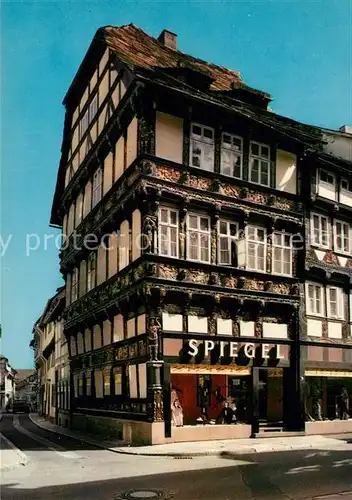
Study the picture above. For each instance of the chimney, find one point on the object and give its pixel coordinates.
(346, 129)
(168, 39)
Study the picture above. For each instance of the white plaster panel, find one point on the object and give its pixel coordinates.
(224, 326)
(314, 327)
(274, 330)
(131, 327)
(320, 254)
(142, 377)
(197, 324)
(334, 330)
(141, 324)
(247, 328)
(172, 322)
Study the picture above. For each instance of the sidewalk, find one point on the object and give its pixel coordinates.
(10, 456)
(203, 448)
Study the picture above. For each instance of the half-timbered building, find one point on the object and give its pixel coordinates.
(182, 199)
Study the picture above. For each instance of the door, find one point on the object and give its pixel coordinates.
(263, 394)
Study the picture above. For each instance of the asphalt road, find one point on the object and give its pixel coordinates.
(65, 468)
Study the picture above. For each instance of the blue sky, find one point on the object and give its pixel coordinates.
(300, 52)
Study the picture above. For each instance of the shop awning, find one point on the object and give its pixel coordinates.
(328, 373)
(211, 369)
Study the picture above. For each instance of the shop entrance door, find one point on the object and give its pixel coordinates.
(263, 394)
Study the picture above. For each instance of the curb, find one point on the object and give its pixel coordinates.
(185, 455)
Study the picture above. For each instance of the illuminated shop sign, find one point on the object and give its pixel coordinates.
(249, 349)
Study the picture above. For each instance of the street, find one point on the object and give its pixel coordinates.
(54, 466)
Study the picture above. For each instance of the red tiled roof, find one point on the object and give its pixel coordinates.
(137, 48)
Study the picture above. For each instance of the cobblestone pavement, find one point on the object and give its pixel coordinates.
(66, 468)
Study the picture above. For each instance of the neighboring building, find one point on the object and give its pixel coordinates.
(7, 384)
(49, 347)
(327, 326)
(26, 387)
(200, 193)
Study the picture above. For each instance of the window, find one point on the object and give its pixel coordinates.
(256, 248)
(335, 299)
(198, 238)
(168, 232)
(118, 381)
(91, 271)
(106, 383)
(88, 116)
(327, 178)
(314, 302)
(74, 285)
(282, 253)
(227, 233)
(97, 187)
(346, 185)
(231, 155)
(342, 237)
(88, 383)
(202, 147)
(259, 164)
(320, 230)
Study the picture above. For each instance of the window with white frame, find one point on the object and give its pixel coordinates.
(256, 248)
(227, 235)
(314, 299)
(168, 232)
(346, 185)
(259, 164)
(335, 302)
(88, 116)
(231, 155)
(74, 285)
(343, 236)
(198, 238)
(327, 178)
(282, 253)
(97, 187)
(91, 271)
(320, 230)
(202, 147)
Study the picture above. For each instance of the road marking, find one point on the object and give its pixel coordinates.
(23, 457)
(45, 442)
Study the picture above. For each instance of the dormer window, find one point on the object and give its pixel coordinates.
(346, 185)
(327, 185)
(259, 164)
(327, 177)
(231, 155)
(202, 147)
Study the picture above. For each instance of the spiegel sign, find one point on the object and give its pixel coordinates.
(249, 348)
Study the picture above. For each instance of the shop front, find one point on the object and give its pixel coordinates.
(224, 390)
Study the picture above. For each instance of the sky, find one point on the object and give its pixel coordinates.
(299, 52)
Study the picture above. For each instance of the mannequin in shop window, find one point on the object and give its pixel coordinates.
(228, 412)
(343, 404)
(176, 409)
(203, 397)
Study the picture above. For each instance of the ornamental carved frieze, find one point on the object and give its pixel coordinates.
(197, 276)
(199, 183)
(330, 258)
(236, 327)
(232, 191)
(258, 329)
(168, 174)
(256, 197)
(142, 347)
(167, 272)
(132, 350)
(282, 204)
(158, 406)
(252, 284)
(122, 353)
(230, 282)
(281, 288)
